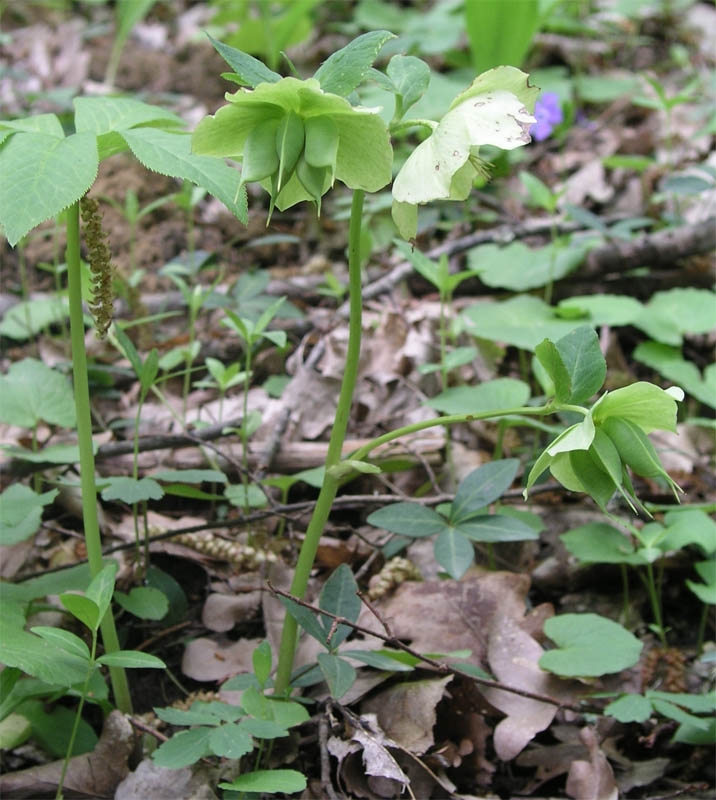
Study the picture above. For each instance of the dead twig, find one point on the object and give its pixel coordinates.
(433, 664)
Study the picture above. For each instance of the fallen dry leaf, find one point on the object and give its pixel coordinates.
(593, 779)
(222, 611)
(406, 711)
(217, 659)
(94, 774)
(160, 783)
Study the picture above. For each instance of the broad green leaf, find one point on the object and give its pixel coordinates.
(67, 641)
(599, 543)
(339, 596)
(183, 748)
(539, 194)
(453, 552)
(630, 708)
(261, 661)
(144, 602)
(597, 484)
(409, 519)
(576, 437)
(15, 729)
(523, 321)
(274, 781)
(201, 713)
(377, 660)
(86, 610)
(409, 77)
(37, 123)
(49, 728)
(287, 713)
(342, 71)
(54, 454)
(588, 645)
(190, 475)
(604, 309)
(100, 115)
(101, 587)
(496, 395)
(131, 490)
(31, 392)
(670, 314)
(249, 70)
(230, 741)
(495, 528)
(237, 495)
(500, 31)
(263, 728)
(73, 579)
(42, 176)
(672, 711)
(338, 673)
(519, 268)
(549, 357)
(698, 703)
(689, 526)
(25, 319)
(21, 512)
(305, 618)
(33, 655)
(483, 486)
(170, 154)
(131, 659)
(706, 591)
(669, 362)
(584, 361)
(691, 734)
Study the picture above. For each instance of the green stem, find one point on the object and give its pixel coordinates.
(450, 419)
(655, 604)
(93, 541)
(335, 447)
(78, 716)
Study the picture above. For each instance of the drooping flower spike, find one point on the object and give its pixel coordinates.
(496, 109)
(296, 140)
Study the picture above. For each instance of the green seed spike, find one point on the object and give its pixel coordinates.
(260, 159)
(321, 144)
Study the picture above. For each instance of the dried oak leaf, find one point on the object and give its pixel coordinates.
(593, 779)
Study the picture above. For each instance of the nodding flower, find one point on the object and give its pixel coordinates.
(296, 140)
(496, 109)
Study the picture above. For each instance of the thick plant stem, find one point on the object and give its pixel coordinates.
(335, 447)
(118, 676)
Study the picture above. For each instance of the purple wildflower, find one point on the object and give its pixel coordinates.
(548, 113)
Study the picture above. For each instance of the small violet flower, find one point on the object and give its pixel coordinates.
(548, 113)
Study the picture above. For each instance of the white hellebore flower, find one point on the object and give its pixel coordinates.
(497, 109)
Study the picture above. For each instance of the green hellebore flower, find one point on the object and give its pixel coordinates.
(296, 140)
(495, 109)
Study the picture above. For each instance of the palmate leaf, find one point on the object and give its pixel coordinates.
(170, 154)
(482, 487)
(48, 174)
(342, 71)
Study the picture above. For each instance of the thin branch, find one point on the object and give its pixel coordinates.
(436, 666)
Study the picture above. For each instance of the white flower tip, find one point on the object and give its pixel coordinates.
(676, 392)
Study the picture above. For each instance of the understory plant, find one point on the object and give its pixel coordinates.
(34, 154)
(296, 138)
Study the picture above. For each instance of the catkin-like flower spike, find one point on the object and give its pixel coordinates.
(100, 260)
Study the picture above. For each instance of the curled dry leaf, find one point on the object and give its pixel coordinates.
(222, 611)
(513, 657)
(215, 660)
(151, 780)
(406, 712)
(593, 779)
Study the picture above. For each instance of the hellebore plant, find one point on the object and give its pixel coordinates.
(296, 138)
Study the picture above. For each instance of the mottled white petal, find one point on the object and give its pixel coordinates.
(497, 118)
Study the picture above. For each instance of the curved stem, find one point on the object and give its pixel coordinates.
(450, 419)
(335, 446)
(93, 541)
